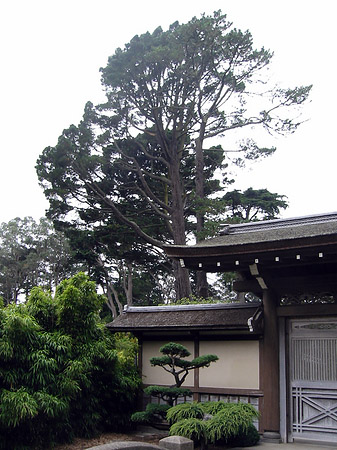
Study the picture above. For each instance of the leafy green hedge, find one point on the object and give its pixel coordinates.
(62, 374)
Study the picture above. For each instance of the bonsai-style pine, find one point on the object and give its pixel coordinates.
(174, 362)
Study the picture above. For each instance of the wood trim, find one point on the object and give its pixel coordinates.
(222, 250)
(261, 411)
(224, 391)
(261, 375)
(322, 309)
(230, 391)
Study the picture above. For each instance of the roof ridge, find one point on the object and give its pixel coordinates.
(277, 223)
(191, 307)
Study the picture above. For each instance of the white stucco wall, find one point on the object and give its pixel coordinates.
(237, 367)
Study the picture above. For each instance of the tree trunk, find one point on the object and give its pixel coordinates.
(202, 284)
(128, 283)
(182, 279)
(110, 302)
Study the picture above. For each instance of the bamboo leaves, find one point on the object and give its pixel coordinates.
(58, 378)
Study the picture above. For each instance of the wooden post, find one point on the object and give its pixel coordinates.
(196, 371)
(271, 377)
(141, 404)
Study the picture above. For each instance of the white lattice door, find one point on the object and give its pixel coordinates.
(313, 379)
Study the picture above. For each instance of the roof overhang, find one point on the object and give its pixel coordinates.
(288, 253)
(202, 319)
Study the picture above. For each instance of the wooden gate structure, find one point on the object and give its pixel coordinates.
(291, 265)
(313, 379)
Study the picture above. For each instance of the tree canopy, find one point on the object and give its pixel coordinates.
(32, 253)
(140, 160)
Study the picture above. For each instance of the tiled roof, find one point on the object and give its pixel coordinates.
(272, 231)
(196, 317)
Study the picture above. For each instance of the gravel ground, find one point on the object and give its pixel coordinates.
(146, 435)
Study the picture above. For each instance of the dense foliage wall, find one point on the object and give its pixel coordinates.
(61, 373)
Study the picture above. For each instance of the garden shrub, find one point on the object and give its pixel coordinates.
(230, 421)
(213, 407)
(62, 374)
(246, 438)
(152, 414)
(185, 411)
(227, 423)
(174, 362)
(191, 428)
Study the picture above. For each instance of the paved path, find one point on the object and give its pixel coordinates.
(293, 446)
(146, 432)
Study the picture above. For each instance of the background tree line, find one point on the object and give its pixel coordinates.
(35, 254)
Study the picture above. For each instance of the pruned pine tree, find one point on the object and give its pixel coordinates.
(173, 361)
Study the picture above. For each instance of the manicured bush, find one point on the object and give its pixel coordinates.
(213, 407)
(227, 423)
(62, 374)
(191, 428)
(185, 411)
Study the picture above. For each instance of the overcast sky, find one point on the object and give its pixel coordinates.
(51, 52)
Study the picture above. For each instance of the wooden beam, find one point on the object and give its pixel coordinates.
(322, 309)
(247, 286)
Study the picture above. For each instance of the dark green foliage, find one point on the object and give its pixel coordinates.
(42, 307)
(253, 204)
(228, 423)
(168, 394)
(153, 413)
(173, 349)
(61, 372)
(245, 438)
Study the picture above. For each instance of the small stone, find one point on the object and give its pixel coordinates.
(176, 443)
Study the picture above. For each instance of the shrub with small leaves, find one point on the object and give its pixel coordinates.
(213, 407)
(192, 428)
(231, 420)
(185, 411)
(227, 423)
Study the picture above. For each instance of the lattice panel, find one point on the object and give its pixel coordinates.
(314, 411)
(314, 359)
